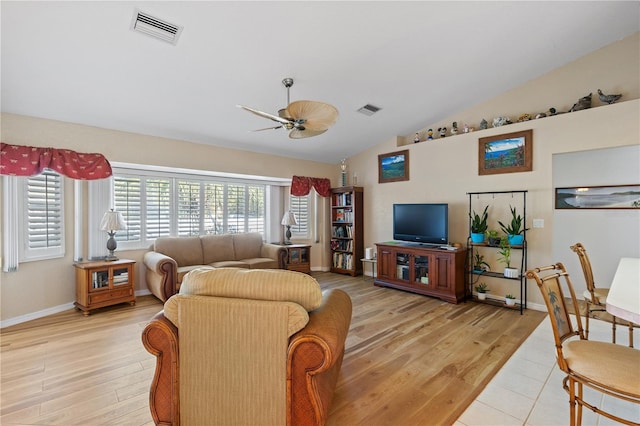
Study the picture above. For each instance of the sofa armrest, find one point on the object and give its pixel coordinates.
(315, 358)
(160, 338)
(161, 274)
(276, 252)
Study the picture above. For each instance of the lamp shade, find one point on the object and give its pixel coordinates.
(112, 221)
(289, 219)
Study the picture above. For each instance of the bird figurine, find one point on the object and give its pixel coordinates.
(583, 103)
(608, 99)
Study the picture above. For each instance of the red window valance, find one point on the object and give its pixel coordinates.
(301, 185)
(18, 160)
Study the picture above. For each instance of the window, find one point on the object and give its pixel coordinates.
(157, 206)
(43, 216)
(300, 207)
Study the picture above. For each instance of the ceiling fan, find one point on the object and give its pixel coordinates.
(303, 118)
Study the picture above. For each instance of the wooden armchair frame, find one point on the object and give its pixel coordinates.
(596, 302)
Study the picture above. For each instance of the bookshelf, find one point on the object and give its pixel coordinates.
(347, 241)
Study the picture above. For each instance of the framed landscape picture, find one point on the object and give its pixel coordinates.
(508, 153)
(393, 167)
(599, 197)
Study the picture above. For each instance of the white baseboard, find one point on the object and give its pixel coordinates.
(36, 315)
(50, 311)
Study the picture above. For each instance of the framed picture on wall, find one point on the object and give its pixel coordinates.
(598, 197)
(508, 153)
(393, 167)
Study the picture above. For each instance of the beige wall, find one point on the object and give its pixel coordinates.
(41, 286)
(446, 170)
(441, 171)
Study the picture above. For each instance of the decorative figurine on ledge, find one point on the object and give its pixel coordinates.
(501, 121)
(483, 124)
(454, 128)
(524, 117)
(443, 131)
(430, 134)
(416, 138)
(608, 99)
(583, 103)
(466, 128)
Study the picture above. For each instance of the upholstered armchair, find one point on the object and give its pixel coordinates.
(240, 347)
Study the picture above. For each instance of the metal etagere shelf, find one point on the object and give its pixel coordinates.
(473, 276)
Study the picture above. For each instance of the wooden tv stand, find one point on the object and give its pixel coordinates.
(431, 271)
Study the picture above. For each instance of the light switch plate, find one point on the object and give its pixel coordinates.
(538, 223)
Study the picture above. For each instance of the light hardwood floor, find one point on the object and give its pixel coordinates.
(409, 360)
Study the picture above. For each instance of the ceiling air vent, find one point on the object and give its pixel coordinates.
(369, 109)
(154, 27)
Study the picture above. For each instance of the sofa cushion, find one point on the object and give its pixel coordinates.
(184, 250)
(258, 284)
(217, 247)
(261, 263)
(230, 264)
(184, 270)
(247, 246)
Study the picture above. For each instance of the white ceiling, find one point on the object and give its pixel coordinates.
(420, 61)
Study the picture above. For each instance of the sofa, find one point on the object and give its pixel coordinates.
(170, 258)
(247, 347)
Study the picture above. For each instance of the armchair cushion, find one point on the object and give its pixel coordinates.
(258, 284)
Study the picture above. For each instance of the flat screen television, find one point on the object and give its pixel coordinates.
(421, 223)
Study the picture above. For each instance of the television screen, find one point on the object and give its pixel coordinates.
(421, 223)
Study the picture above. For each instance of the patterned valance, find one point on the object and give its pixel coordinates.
(18, 160)
(301, 185)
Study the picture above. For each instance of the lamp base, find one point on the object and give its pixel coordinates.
(111, 258)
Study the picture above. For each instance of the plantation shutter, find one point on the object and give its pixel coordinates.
(255, 209)
(300, 207)
(44, 216)
(189, 212)
(236, 208)
(158, 202)
(128, 201)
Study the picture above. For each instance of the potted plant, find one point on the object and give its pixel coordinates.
(478, 226)
(510, 299)
(514, 229)
(482, 291)
(505, 257)
(493, 238)
(479, 264)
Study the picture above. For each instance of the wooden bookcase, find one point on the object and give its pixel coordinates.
(347, 240)
(430, 271)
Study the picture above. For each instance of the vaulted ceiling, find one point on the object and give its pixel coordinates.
(419, 61)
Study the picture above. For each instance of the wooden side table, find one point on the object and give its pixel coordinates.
(104, 283)
(298, 257)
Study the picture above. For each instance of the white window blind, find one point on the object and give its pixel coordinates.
(156, 206)
(189, 208)
(300, 207)
(43, 216)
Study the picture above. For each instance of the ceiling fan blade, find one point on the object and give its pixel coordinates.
(265, 114)
(317, 115)
(267, 128)
(306, 133)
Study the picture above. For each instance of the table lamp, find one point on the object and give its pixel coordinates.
(112, 221)
(288, 219)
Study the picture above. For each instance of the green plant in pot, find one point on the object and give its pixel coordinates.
(505, 257)
(479, 264)
(510, 299)
(482, 291)
(493, 238)
(514, 229)
(478, 226)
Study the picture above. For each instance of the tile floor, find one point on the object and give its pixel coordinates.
(528, 389)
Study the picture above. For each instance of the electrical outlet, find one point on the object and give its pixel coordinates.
(538, 223)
